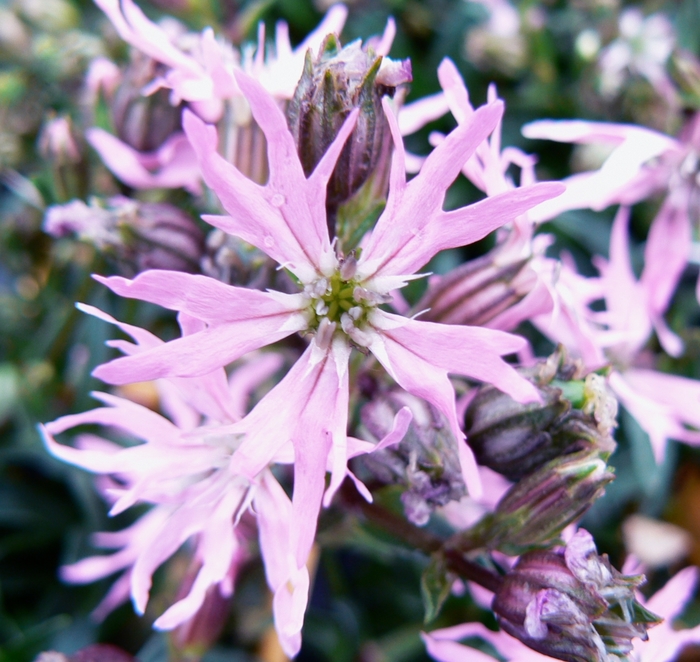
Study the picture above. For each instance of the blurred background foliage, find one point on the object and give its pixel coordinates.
(366, 602)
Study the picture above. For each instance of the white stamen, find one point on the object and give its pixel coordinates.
(325, 332)
(321, 307)
(348, 268)
(346, 323)
(317, 288)
(355, 312)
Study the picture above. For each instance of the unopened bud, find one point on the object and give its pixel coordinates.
(59, 145)
(138, 235)
(477, 291)
(571, 604)
(577, 412)
(198, 634)
(332, 85)
(144, 122)
(426, 461)
(535, 510)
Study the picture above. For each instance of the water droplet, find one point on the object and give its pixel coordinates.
(278, 200)
(269, 241)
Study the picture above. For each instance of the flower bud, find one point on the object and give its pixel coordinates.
(138, 235)
(535, 510)
(514, 439)
(477, 291)
(426, 461)
(143, 122)
(331, 86)
(60, 147)
(571, 604)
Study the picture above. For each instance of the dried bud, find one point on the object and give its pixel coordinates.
(332, 85)
(138, 235)
(144, 122)
(571, 604)
(425, 462)
(514, 439)
(535, 511)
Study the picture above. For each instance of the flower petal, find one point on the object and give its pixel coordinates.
(172, 166)
(241, 320)
(419, 356)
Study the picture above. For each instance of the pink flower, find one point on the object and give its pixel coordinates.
(183, 469)
(642, 164)
(664, 405)
(187, 471)
(202, 73)
(642, 48)
(340, 297)
(304, 418)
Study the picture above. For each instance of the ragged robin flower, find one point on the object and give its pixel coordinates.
(340, 305)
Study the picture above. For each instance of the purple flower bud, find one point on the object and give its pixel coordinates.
(332, 85)
(477, 291)
(137, 235)
(60, 147)
(577, 412)
(535, 511)
(571, 604)
(143, 122)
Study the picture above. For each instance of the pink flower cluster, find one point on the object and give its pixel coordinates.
(213, 466)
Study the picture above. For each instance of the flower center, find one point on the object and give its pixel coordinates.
(341, 304)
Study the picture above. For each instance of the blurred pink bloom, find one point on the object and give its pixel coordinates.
(183, 469)
(664, 643)
(202, 72)
(642, 48)
(172, 165)
(189, 471)
(643, 163)
(663, 404)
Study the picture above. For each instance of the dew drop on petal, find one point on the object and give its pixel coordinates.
(269, 241)
(278, 200)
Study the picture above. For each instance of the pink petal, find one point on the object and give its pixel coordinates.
(413, 227)
(286, 218)
(417, 114)
(274, 510)
(241, 319)
(173, 166)
(581, 131)
(308, 409)
(670, 601)
(445, 650)
(666, 252)
(680, 394)
(125, 414)
(419, 355)
(134, 28)
(216, 548)
(412, 208)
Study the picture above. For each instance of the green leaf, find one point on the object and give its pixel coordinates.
(435, 587)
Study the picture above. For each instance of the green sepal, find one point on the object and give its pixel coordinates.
(435, 586)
